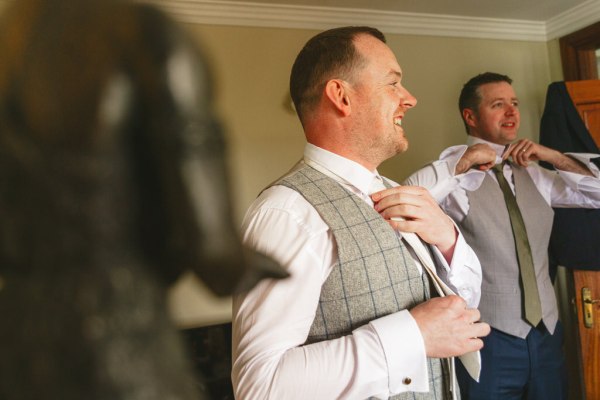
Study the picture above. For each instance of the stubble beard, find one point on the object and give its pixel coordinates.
(397, 144)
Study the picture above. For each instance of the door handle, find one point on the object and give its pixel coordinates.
(588, 310)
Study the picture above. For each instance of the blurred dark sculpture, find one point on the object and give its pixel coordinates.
(112, 183)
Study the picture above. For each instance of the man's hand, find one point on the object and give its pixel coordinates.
(412, 209)
(448, 328)
(480, 156)
(523, 151)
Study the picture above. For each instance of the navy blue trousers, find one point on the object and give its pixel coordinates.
(518, 369)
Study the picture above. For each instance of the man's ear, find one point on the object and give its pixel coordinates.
(470, 117)
(337, 94)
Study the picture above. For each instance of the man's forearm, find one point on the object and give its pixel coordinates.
(565, 163)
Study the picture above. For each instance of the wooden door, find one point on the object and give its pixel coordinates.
(586, 97)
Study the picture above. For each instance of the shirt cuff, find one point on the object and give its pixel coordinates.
(462, 273)
(445, 169)
(461, 280)
(451, 156)
(578, 182)
(404, 351)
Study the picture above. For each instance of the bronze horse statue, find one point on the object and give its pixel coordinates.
(112, 183)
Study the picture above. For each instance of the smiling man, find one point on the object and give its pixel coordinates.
(356, 319)
(476, 185)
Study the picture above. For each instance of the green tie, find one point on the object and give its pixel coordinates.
(531, 297)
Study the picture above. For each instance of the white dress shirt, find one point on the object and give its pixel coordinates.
(559, 188)
(271, 323)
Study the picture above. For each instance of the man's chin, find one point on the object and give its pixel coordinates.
(402, 145)
(511, 134)
(399, 149)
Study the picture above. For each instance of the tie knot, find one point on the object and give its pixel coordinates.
(499, 168)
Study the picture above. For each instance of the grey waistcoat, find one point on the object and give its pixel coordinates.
(374, 276)
(488, 231)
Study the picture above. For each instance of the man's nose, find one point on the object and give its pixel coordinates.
(408, 100)
(511, 109)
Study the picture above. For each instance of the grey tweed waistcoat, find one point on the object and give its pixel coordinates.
(374, 276)
(487, 230)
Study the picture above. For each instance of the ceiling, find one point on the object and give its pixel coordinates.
(530, 20)
(529, 10)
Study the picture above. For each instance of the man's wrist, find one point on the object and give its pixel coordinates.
(447, 248)
(556, 158)
(462, 166)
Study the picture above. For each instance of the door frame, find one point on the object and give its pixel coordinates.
(578, 53)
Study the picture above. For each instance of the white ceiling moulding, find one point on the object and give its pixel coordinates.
(235, 13)
(572, 20)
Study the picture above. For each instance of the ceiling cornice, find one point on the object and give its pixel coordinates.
(572, 20)
(216, 12)
(236, 13)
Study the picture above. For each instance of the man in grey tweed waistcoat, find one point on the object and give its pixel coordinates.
(358, 317)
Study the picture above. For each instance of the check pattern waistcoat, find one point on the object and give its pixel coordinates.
(374, 276)
(487, 230)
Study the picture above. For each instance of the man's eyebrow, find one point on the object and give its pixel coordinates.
(395, 74)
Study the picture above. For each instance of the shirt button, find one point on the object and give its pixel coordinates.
(407, 381)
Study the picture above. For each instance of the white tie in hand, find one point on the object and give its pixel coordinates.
(471, 361)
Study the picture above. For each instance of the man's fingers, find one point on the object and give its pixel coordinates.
(448, 328)
(403, 225)
(507, 151)
(399, 190)
(481, 329)
(521, 151)
(474, 344)
(472, 315)
(400, 203)
(412, 211)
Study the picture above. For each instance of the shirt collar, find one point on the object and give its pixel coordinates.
(340, 168)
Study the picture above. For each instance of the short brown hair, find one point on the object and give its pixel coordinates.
(327, 55)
